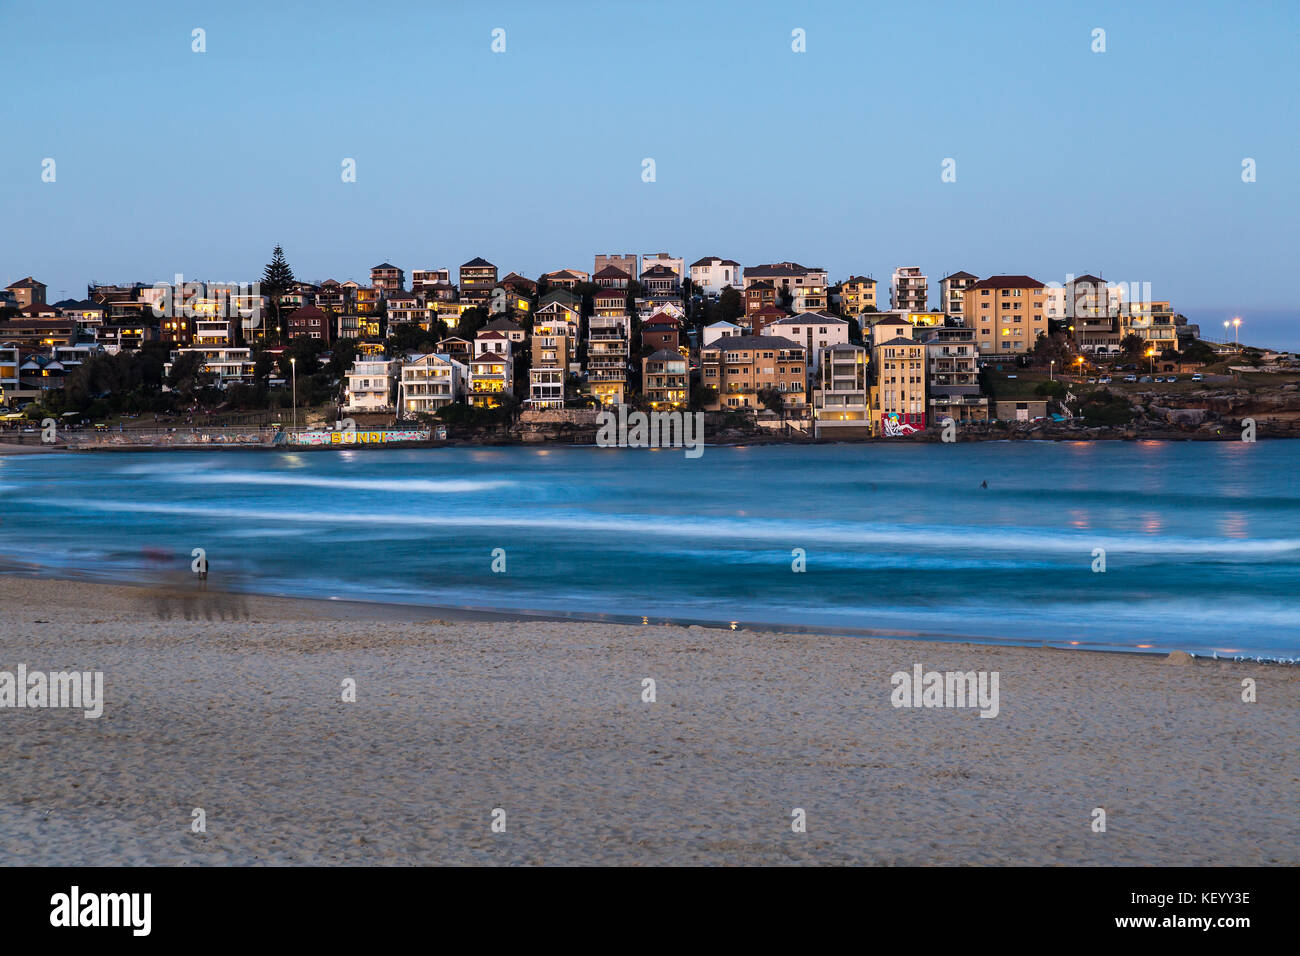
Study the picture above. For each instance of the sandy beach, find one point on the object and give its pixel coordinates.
(239, 711)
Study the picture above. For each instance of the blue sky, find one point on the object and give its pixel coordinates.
(1126, 162)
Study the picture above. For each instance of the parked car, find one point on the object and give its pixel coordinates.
(1104, 380)
(1130, 378)
(1092, 381)
(1196, 376)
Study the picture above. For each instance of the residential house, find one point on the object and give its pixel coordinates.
(813, 330)
(908, 289)
(309, 321)
(711, 275)
(661, 331)
(720, 330)
(612, 277)
(841, 398)
(626, 264)
(38, 333)
(478, 278)
(387, 278)
(952, 366)
(456, 348)
(491, 378)
(491, 342)
(760, 294)
(406, 308)
(430, 382)
(764, 317)
(952, 293)
(857, 295)
(665, 380)
(552, 351)
(371, 385)
(226, 364)
(1153, 322)
(565, 278)
(426, 280)
(608, 344)
(513, 331)
(659, 279)
(27, 292)
(675, 263)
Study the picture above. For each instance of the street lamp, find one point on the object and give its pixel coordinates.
(1151, 354)
(1051, 371)
(293, 368)
(1236, 332)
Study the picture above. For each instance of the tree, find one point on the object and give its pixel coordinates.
(471, 320)
(731, 305)
(277, 279)
(1133, 345)
(773, 400)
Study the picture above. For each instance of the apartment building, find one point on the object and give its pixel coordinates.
(612, 301)
(952, 293)
(10, 359)
(711, 275)
(952, 367)
(426, 280)
(387, 278)
(491, 377)
(478, 277)
(661, 280)
(841, 396)
(608, 342)
(857, 295)
(491, 342)
(227, 366)
(552, 346)
(430, 382)
(1085, 307)
(813, 330)
(366, 300)
(627, 264)
(27, 291)
(1153, 322)
(760, 294)
(40, 333)
(406, 307)
(742, 367)
(665, 380)
(371, 386)
(309, 321)
(898, 389)
(333, 297)
(909, 289)
(1008, 314)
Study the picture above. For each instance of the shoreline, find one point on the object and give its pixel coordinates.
(242, 718)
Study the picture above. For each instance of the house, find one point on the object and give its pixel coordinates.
(366, 300)
(710, 275)
(512, 330)
(952, 293)
(611, 301)
(720, 330)
(841, 396)
(309, 321)
(553, 343)
(665, 380)
(627, 264)
(857, 295)
(1153, 322)
(760, 320)
(1086, 307)
(909, 289)
(759, 295)
(38, 333)
(478, 278)
(1008, 314)
(612, 277)
(456, 348)
(661, 331)
(608, 346)
(227, 365)
(565, 297)
(333, 297)
(898, 367)
(491, 377)
(405, 307)
(491, 343)
(371, 386)
(659, 279)
(514, 294)
(10, 359)
(952, 367)
(565, 278)
(740, 368)
(425, 280)
(675, 264)
(38, 310)
(430, 382)
(813, 330)
(387, 278)
(558, 313)
(27, 291)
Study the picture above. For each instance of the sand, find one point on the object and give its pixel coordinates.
(243, 717)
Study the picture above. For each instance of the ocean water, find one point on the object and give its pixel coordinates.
(1201, 541)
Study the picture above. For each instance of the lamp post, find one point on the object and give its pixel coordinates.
(1051, 370)
(1151, 354)
(1236, 332)
(293, 368)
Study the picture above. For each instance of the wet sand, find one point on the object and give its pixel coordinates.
(238, 711)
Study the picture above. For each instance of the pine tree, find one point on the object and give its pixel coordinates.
(277, 279)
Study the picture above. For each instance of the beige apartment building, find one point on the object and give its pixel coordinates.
(898, 392)
(1008, 314)
(552, 349)
(857, 294)
(952, 293)
(841, 398)
(665, 380)
(740, 367)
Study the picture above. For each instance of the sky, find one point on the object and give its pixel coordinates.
(1125, 163)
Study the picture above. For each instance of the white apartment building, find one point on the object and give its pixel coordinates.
(651, 259)
(371, 385)
(491, 375)
(228, 366)
(813, 330)
(429, 382)
(711, 275)
(720, 330)
(909, 289)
